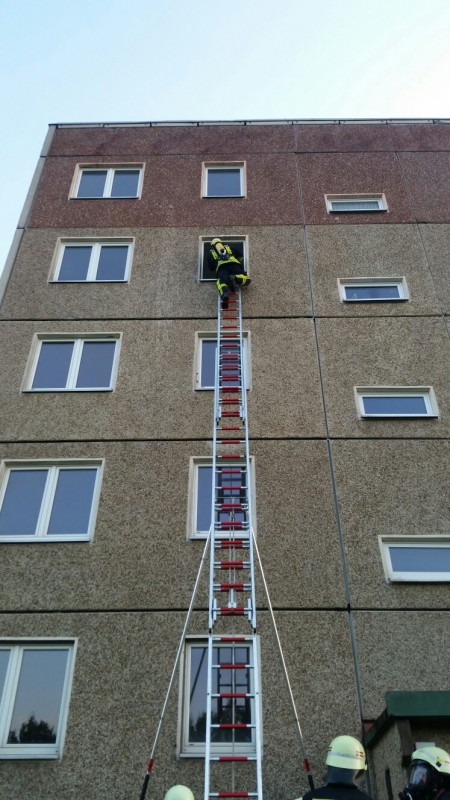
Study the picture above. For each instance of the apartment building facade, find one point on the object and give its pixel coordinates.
(108, 326)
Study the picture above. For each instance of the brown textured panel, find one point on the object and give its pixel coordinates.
(173, 139)
(427, 176)
(171, 195)
(342, 138)
(348, 173)
(432, 136)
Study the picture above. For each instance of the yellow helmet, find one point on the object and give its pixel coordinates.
(179, 793)
(346, 752)
(216, 241)
(438, 758)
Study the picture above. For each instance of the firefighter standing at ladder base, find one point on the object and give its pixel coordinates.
(228, 267)
(346, 762)
(429, 776)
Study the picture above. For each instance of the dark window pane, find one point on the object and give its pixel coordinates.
(125, 183)
(395, 405)
(4, 659)
(355, 205)
(420, 559)
(209, 269)
(73, 501)
(224, 183)
(96, 365)
(22, 502)
(208, 371)
(75, 263)
(197, 694)
(372, 292)
(204, 498)
(37, 707)
(53, 365)
(92, 183)
(112, 263)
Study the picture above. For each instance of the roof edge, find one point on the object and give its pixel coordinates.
(251, 122)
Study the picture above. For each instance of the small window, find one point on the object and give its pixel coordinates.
(416, 558)
(54, 502)
(66, 364)
(207, 271)
(355, 203)
(35, 683)
(369, 290)
(385, 402)
(87, 261)
(200, 496)
(108, 182)
(224, 180)
(231, 681)
(205, 366)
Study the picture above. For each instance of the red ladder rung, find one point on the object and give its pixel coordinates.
(233, 794)
(225, 587)
(230, 413)
(231, 471)
(239, 611)
(231, 725)
(232, 506)
(230, 455)
(232, 638)
(232, 565)
(232, 758)
(231, 428)
(230, 441)
(239, 544)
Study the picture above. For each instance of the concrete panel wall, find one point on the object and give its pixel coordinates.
(171, 194)
(390, 488)
(436, 239)
(370, 251)
(427, 177)
(383, 352)
(164, 276)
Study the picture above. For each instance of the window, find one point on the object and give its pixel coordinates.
(238, 243)
(369, 290)
(62, 363)
(193, 698)
(35, 682)
(109, 182)
(223, 180)
(88, 261)
(341, 203)
(205, 360)
(200, 496)
(416, 558)
(49, 502)
(396, 401)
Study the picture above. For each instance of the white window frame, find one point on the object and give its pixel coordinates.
(96, 245)
(224, 165)
(197, 749)
(54, 466)
(356, 198)
(17, 646)
(348, 283)
(226, 239)
(210, 336)
(385, 542)
(426, 392)
(206, 461)
(78, 339)
(110, 169)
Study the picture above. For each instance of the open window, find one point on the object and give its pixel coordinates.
(205, 360)
(206, 270)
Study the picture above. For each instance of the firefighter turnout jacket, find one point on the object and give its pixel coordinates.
(336, 791)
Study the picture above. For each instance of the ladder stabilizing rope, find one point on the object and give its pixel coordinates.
(233, 725)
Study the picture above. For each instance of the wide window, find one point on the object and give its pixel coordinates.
(355, 203)
(100, 262)
(200, 496)
(384, 401)
(224, 180)
(205, 368)
(63, 363)
(207, 270)
(416, 558)
(368, 290)
(34, 694)
(226, 680)
(49, 502)
(108, 182)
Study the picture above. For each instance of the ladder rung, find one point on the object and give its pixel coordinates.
(232, 565)
(230, 413)
(233, 794)
(229, 488)
(231, 428)
(231, 455)
(239, 471)
(229, 401)
(226, 587)
(231, 725)
(229, 506)
(232, 638)
(239, 544)
(230, 441)
(233, 758)
(239, 611)
(229, 389)
(237, 525)
(231, 695)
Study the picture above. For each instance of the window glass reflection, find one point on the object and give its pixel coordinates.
(204, 496)
(75, 263)
(420, 559)
(53, 366)
(224, 182)
(96, 365)
(4, 660)
(73, 501)
(375, 292)
(112, 263)
(125, 183)
(408, 404)
(37, 706)
(92, 183)
(208, 370)
(22, 502)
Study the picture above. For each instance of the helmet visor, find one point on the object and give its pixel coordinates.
(421, 775)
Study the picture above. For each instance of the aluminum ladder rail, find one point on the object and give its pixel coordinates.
(231, 552)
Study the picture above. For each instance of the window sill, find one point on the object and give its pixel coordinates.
(399, 416)
(48, 538)
(379, 300)
(15, 755)
(90, 282)
(65, 391)
(223, 197)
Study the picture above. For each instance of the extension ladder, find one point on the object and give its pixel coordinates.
(233, 725)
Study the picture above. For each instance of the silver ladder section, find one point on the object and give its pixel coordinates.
(233, 724)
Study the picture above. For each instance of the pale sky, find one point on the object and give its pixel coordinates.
(143, 60)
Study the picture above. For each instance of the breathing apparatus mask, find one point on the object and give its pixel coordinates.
(424, 781)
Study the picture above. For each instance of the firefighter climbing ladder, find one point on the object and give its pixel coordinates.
(233, 723)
